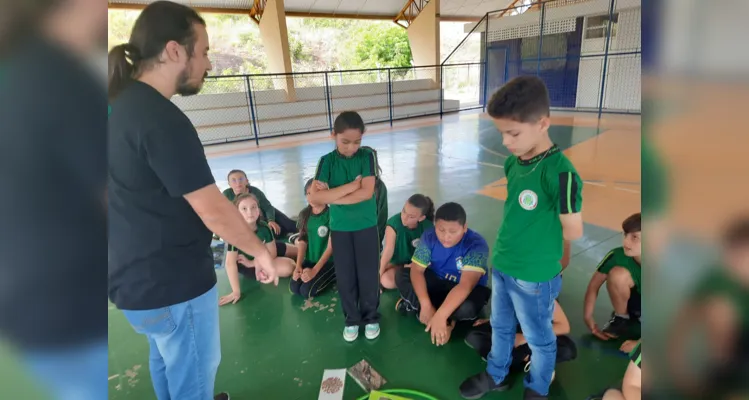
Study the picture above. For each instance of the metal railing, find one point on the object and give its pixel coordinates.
(252, 107)
(587, 51)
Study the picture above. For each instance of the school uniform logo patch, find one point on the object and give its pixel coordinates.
(528, 199)
(415, 243)
(322, 231)
(459, 263)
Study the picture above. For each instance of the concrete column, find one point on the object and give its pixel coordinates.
(275, 39)
(424, 37)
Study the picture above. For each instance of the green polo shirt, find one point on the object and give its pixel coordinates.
(263, 232)
(336, 170)
(406, 240)
(318, 231)
(530, 242)
(617, 258)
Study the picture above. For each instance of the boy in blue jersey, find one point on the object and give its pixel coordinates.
(448, 280)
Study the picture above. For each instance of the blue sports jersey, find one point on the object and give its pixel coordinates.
(470, 254)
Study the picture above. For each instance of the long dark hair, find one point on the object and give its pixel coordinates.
(158, 24)
(424, 204)
(305, 214)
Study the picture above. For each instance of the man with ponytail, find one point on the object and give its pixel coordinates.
(164, 203)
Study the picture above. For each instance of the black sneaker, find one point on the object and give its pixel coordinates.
(616, 327)
(480, 384)
(530, 394)
(222, 396)
(481, 341)
(402, 307)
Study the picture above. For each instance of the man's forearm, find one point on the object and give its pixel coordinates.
(230, 226)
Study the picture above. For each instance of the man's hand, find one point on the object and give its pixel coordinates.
(591, 324)
(426, 313)
(229, 298)
(309, 274)
(264, 270)
(275, 227)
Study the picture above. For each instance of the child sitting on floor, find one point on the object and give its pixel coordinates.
(314, 265)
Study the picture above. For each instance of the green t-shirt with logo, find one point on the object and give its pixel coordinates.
(263, 232)
(617, 258)
(337, 170)
(530, 243)
(318, 231)
(406, 240)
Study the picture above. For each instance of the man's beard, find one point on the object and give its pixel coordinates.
(186, 89)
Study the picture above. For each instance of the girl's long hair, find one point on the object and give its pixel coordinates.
(305, 214)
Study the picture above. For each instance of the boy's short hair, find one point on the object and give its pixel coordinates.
(523, 99)
(632, 224)
(451, 212)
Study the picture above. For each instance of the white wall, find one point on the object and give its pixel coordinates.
(225, 117)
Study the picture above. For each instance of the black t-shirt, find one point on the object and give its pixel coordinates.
(159, 249)
(53, 228)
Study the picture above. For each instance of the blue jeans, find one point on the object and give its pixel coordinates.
(185, 346)
(532, 305)
(75, 373)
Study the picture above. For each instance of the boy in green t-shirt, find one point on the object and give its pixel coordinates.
(620, 270)
(542, 211)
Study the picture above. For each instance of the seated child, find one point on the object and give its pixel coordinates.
(279, 223)
(402, 235)
(631, 385)
(314, 265)
(620, 270)
(447, 281)
(480, 339)
(238, 262)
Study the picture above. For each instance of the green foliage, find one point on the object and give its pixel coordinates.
(381, 46)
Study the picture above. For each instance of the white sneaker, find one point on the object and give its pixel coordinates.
(350, 333)
(371, 331)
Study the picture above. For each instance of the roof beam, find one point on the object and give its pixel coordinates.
(296, 14)
(409, 12)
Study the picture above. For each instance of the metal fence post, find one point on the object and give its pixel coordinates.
(442, 90)
(486, 60)
(250, 103)
(605, 59)
(329, 101)
(390, 97)
(541, 39)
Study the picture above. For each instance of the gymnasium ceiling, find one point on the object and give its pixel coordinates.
(456, 10)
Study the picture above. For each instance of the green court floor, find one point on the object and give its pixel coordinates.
(276, 347)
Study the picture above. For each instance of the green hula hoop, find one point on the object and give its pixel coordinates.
(420, 395)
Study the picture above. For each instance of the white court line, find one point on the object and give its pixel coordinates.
(462, 159)
(626, 190)
(488, 150)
